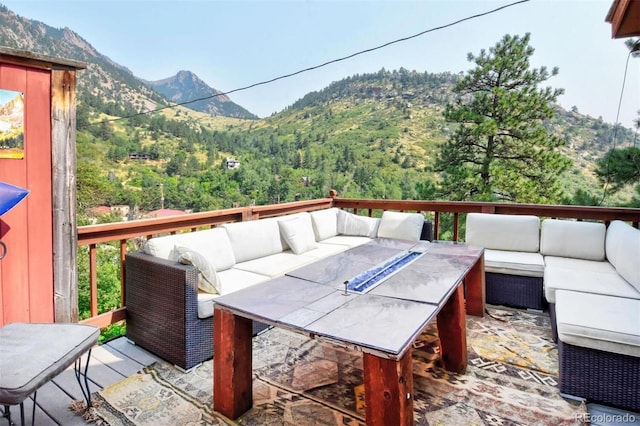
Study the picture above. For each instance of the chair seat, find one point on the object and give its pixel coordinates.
(33, 354)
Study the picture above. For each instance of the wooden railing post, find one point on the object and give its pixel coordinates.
(123, 254)
(93, 280)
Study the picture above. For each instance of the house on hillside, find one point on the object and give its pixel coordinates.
(165, 213)
(231, 163)
(122, 211)
(139, 156)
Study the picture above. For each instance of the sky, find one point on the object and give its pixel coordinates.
(233, 44)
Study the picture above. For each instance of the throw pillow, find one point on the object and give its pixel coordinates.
(297, 234)
(353, 224)
(208, 281)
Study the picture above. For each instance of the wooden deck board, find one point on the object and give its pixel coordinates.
(109, 364)
(115, 360)
(55, 402)
(131, 350)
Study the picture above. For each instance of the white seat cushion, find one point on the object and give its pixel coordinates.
(347, 240)
(401, 226)
(599, 322)
(567, 238)
(623, 251)
(578, 264)
(230, 280)
(205, 304)
(323, 250)
(586, 280)
(275, 265)
(503, 232)
(514, 263)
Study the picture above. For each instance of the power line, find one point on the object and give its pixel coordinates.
(616, 125)
(324, 64)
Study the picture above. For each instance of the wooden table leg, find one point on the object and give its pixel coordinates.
(232, 374)
(474, 284)
(388, 390)
(452, 330)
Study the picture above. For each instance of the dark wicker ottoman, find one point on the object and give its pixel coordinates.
(514, 290)
(605, 377)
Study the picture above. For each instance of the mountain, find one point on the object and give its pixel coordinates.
(104, 83)
(186, 86)
(372, 135)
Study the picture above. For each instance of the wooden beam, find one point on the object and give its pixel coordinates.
(624, 16)
(232, 374)
(108, 318)
(452, 330)
(65, 231)
(475, 289)
(388, 390)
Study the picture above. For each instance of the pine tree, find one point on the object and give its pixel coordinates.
(500, 149)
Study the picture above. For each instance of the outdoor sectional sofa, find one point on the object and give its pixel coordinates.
(173, 282)
(589, 275)
(592, 284)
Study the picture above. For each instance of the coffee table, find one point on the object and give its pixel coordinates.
(382, 323)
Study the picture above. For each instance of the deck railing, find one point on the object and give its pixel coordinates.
(440, 212)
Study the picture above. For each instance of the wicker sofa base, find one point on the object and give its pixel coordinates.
(605, 377)
(514, 290)
(162, 313)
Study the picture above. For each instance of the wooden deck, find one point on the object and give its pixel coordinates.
(110, 363)
(117, 359)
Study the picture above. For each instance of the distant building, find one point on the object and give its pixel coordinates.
(231, 163)
(165, 213)
(122, 211)
(139, 156)
(99, 210)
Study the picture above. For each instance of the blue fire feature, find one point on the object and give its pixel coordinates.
(368, 279)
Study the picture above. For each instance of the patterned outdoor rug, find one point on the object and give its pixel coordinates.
(511, 379)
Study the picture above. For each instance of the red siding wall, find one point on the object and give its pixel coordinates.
(26, 273)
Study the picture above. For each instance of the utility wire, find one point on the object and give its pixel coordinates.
(615, 128)
(333, 61)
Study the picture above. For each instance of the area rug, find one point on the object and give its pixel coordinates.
(511, 379)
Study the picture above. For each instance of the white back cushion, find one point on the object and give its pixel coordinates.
(213, 244)
(352, 224)
(401, 226)
(325, 223)
(253, 239)
(622, 247)
(567, 238)
(298, 233)
(503, 232)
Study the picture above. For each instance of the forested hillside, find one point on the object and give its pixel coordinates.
(373, 135)
(368, 136)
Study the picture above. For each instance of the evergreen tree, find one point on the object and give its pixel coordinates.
(620, 167)
(500, 149)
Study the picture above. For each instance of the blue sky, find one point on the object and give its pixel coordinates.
(231, 44)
